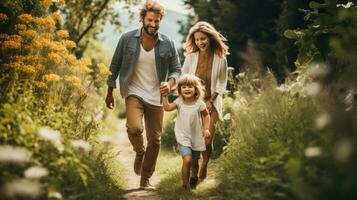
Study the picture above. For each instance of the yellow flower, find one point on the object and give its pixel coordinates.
(46, 3)
(28, 69)
(62, 33)
(57, 17)
(71, 59)
(47, 36)
(26, 18)
(11, 44)
(76, 82)
(29, 34)
(46, 22)
(85, 61)
(69, 44)
(20, 27)
(15, 65)
(4, 36)
(16, 38)
(51, 77)
(103, 70)
(54, 57)
(37, 44)
(3, 18)
(60, 2)
(57, 46)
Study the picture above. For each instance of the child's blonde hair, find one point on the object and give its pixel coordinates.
(191, 80)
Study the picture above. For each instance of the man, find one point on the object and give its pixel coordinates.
(147, 64)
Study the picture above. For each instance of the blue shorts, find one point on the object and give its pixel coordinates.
(184, 151)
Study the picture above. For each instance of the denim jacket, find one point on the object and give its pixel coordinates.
(127, 53)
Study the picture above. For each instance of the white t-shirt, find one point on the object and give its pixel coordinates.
(188, 126)
(144, 82)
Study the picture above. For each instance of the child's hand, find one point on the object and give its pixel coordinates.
(164, 88)
(206, 134)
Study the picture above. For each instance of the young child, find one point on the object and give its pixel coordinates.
(191, 127)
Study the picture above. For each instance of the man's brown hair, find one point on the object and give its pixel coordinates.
(152, 6)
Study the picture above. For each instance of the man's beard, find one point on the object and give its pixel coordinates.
(151, 33)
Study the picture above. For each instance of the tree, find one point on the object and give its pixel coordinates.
(85, 19)
(251, 20)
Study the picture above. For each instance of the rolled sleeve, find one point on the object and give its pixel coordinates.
(116, 63)
(222, 78)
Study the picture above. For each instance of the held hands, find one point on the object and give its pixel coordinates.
(206, 135)
(164, 88)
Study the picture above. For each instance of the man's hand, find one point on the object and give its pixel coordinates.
(109, 100)
(164, 88)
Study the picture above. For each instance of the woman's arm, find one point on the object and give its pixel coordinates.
(222, 78)
(167, 105)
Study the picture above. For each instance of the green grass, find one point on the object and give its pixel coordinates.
(170, 186)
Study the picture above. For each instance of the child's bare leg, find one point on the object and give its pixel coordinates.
(185, 171)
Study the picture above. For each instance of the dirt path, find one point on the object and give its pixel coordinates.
(126, 158)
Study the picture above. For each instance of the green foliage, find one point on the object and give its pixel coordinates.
(86, 19)
(262, 22)
(50, 112)
(168, 134)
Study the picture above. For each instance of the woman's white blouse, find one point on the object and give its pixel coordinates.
(218, 77)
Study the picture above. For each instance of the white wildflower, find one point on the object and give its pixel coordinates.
(300, 79)
(14, 155)
(99, 116)
(106, 139)
(48, 134)
(347, 5)
(81, 145)
(22, 189)
(36, 172)
(312, 89)
(54, 196)
(349, 100)
(283, 88)
(312, 152)
(240, 75)
(296, 87)
(227, 116)
(317, 70)
(322, 120)
(59, 146)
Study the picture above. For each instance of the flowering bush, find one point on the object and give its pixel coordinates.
(48, 122)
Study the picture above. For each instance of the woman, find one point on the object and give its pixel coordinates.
(206, 58)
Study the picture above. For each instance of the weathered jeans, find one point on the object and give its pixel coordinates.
(136, 110)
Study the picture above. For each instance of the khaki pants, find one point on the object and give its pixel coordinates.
(136, 110)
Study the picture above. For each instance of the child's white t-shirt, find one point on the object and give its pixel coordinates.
(188, 126)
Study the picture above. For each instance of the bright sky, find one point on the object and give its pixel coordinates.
(175, 5)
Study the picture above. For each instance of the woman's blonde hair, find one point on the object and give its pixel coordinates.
(216, 39)
(191, 80)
